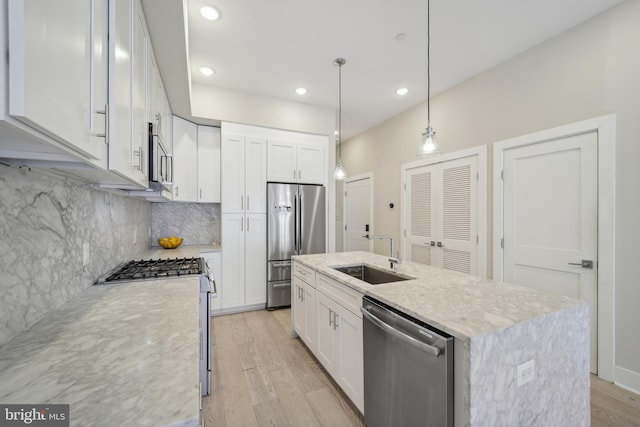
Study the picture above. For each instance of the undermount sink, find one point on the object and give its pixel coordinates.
(372, 275)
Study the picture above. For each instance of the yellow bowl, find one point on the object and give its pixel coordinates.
(170, 242)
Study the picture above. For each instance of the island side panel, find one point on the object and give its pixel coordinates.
(461, 382)
(559, 391)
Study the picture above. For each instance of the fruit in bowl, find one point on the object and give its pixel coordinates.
(170, 242)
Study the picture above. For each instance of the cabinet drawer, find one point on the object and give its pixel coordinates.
(342, 294)
(305, 273)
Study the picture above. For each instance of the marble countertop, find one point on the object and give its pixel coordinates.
(461, 305)
(119, 354)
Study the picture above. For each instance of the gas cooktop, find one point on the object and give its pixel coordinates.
(154, 269)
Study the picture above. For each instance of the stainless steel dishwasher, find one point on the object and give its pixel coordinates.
(408, 370)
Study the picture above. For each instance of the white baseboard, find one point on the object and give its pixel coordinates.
(240, 309)
(627, 379)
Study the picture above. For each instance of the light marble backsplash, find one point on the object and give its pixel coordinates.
(196, 223)
(45, 220)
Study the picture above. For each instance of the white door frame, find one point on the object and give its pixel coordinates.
(481, 152)
(605, 126)
(368, 175)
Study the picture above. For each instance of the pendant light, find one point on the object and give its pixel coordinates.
(429, 144)
(339, 174)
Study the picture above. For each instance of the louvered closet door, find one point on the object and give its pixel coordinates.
(442, 201)
(420, 220)
(457, 215)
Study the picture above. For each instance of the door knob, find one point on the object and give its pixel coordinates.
(585, 263)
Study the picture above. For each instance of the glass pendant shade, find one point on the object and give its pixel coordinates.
(429, 144)
(339, 174)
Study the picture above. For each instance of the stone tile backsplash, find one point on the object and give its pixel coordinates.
(196, 223)
(45, 221)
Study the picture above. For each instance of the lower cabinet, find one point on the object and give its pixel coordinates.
(244, 246)
(333, 310)
(303, 306)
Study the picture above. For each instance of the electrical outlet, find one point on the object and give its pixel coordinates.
(85, 254)
(525, 372)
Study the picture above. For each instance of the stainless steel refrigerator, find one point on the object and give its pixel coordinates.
(295, 226)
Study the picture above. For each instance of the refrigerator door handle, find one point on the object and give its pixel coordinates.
(295, 225)
(299, 225)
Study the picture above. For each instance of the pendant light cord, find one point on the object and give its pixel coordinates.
(428, 66)
(340, 112)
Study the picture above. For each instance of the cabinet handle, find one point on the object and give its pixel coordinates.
(439, 244)
(104, 135)
(294, 174)
(299, 174)
(201, 194)
(248, 222)
(247, 202)
(200, 345)
(138, 153)
(241, 203)
(241, 224)
(200, 397)
(177, 190)
(335, 320)
(330, 314)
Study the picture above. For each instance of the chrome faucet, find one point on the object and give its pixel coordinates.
(393, 260)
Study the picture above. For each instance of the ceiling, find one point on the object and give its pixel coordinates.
(269, 48)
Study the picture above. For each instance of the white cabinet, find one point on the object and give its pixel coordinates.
(128, 126)
(339, 336)
(214, 263)
(291, 161)
(196, 162)
(244, 174)
(244, 238)
(57, 58)
(303, 302)
(185, 160)
(208, 164)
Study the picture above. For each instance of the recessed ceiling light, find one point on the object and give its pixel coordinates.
(301, 91)
(207, 71)
(402, 91)
(210, 13)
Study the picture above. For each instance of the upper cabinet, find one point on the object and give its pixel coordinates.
(78, 88)
(208, 164)
(59, 90)
(185, 158)
(128, 55)
(196, 170)
(296, 161)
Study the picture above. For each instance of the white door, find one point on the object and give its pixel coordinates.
(358, 214)
(255, 276)
(442, 216)
(233, 260)
(256, 176)
(185, 163)
(550, 219)
(420, 220)
(311, 163)
(208, 164)
(282, 161)
(232, 173)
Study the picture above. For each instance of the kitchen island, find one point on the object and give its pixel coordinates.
(118, 354)
(496, 327)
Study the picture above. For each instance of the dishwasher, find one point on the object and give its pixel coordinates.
(408, 369)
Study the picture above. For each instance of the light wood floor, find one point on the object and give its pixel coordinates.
(263, 377)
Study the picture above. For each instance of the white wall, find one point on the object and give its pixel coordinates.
(591, 70)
